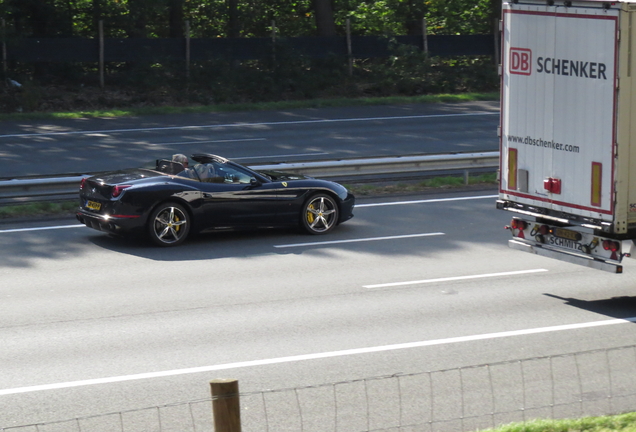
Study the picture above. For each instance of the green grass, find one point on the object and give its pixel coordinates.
(313, 103)
(38, 209)
(447, 182)
(618, 423)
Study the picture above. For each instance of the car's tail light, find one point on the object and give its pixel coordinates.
(82, 183)
(118, 189)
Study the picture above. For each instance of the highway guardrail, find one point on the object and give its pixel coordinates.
(66, 187)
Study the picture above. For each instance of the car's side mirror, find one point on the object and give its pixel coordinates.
(254, 182)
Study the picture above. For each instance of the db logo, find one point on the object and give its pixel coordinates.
(520, 61)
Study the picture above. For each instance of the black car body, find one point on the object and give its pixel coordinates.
(168, 201)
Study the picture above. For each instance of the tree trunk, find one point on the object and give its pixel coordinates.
(138, 19)
(97, 15)
(233, 24)
(414, 13)
(40, 14)
(325, 23)
(175, 18)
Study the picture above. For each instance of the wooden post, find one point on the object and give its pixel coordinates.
(226, 405)
(187, 48)
(349, 51)
(101, 53)
(424, 36)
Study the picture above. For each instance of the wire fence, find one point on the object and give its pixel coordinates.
(589, 383)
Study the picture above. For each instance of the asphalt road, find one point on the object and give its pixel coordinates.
(85, 146)
(77, 305)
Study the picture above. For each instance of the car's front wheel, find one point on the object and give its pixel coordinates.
(169, 224)
(319, 214)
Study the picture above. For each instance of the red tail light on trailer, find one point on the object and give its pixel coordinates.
(518, 224)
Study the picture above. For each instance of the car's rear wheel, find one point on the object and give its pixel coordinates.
(169, 224)
(319, 214)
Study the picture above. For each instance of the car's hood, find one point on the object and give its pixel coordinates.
(283, 176)
(125, 176)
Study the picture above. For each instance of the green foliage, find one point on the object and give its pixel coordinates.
(286, 76)
(619, 423)
(210, 18)
(38, 209)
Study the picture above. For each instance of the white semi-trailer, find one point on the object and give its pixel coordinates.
(568, 129)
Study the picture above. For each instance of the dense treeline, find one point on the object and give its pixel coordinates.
(245, 18)
(287, 76)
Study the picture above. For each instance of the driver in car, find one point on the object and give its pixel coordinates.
(183, 160)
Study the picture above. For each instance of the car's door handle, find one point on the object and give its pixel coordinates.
(207, 195)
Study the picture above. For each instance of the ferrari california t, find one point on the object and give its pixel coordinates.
(169, 201)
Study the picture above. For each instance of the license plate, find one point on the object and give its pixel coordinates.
(92, 205)
(567, 234)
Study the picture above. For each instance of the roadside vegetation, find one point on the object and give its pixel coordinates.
(58, 208)
(434, 183)
(261, 106)
(140, 86)
(618, 423)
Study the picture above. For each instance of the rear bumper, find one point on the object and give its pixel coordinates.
(566, 256)
(112, 225)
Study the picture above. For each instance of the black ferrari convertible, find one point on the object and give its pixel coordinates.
(171, 200)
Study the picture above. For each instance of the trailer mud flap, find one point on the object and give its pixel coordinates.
(565, 256)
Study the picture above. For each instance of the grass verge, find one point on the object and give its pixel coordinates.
(313, 103)
(36, 209)
(406, 187)
(618, 423)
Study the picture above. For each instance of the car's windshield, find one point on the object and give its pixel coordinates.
(215, 172)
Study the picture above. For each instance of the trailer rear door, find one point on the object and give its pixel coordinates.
(558, 107)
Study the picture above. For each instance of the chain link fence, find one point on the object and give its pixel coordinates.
(589, 383)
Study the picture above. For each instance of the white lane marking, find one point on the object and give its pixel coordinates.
(359, 240)
(315, 356)
(424, 201)
(456, 278)
(40, 228)
(167, 144)
(361, 119)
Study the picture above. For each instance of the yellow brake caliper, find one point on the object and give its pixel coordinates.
(310, 215)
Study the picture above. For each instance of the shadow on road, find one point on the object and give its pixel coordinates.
(617, 307)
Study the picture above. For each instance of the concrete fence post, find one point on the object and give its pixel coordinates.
(100, 36)
(4, 51)
(187, 49)
(226, 405)
(274, 43)
(424, 37)
(349, 50)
